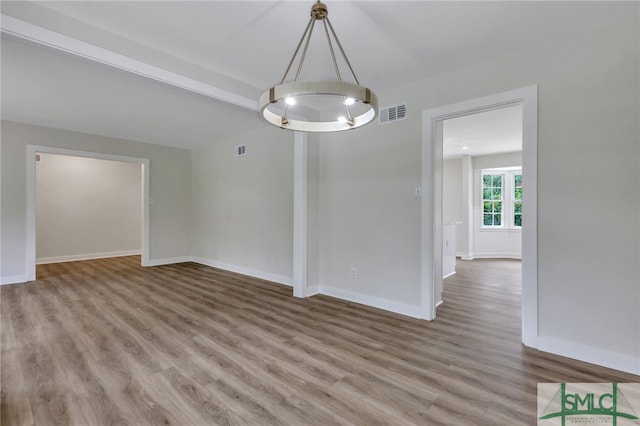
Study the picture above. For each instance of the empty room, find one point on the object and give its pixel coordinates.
(318, 213)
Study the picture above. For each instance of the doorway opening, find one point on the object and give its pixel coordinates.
(432, 201)
(34, 153)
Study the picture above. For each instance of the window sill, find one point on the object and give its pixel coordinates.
(502, 229)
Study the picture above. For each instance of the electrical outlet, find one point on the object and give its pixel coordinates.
(354, 272)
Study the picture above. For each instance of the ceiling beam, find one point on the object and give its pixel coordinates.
(45, 37)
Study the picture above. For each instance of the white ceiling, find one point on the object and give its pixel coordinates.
(483, 133)
(244, 47)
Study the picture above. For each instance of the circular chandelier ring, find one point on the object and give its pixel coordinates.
(324, 87)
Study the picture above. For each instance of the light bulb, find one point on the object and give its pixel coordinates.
(290, 101)
(342, 119)
(349, 101)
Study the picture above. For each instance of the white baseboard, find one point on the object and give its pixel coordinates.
(465, 256)
(497, 255)
(376, 302)
(449, 274)
(13, 279)
(86, 256)
(167, 261)
(312, 291)
(590, 354)
(276, 278)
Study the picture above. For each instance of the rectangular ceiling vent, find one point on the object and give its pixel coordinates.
(240, 150)
(393, 113)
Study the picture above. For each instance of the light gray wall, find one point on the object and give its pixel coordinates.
(170, 188)
(243, 206)
(369, 217)
(588, 224)
(87, 208)
(494, 161)
(452, 208)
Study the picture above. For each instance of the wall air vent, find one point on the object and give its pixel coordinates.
(240, 150)
(393, 113)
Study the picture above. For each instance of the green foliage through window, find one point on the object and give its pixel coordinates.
(492, 199)
(517, 200)
(502, 198)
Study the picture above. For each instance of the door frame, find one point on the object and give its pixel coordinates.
(31, 197)
(431, 216)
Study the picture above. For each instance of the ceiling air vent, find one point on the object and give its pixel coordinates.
(393, 113)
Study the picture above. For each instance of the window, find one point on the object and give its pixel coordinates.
(502, 198)
(517, 200)
(492, 199)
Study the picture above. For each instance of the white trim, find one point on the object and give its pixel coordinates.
(146, 202)
(591, 354)
(31, 198)
(14, 279)
(312, 291)
(299, 214)
(276, 278)
(497, 255)
(376, 302)
(530, 212)
(86, 256)
(431, 255)
(469, 220)
(499, 228)
(428, 251)
(168, 261)
(63, 43)
(447, 276)
(30, 246)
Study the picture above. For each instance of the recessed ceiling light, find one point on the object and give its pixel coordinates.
(465, 147)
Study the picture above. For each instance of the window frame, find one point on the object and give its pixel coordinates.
(492, 200)
(508, 198)
(515, 199)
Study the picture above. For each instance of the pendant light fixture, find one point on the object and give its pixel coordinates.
(338, 105)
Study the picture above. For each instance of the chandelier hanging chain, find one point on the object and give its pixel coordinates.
(344, 55)
(304, 51)
(333, 55)
(310, 24)
(307, 35)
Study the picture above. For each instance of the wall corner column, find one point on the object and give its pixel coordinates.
(300, 211)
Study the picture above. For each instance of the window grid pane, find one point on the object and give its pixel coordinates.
(517, 197)
(492, 199)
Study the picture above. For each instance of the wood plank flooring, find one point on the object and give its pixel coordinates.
(107, 342)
